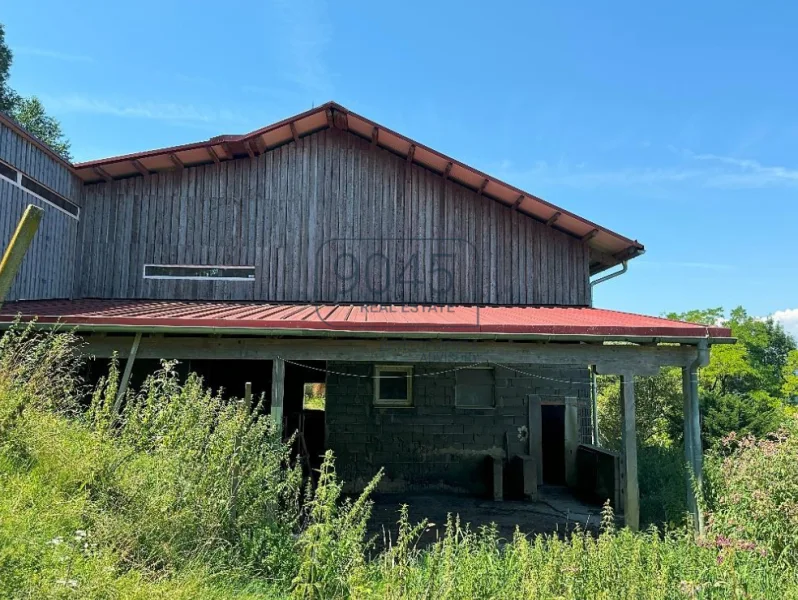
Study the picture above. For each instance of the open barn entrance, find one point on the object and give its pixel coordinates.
(304, 404)
(553, 438)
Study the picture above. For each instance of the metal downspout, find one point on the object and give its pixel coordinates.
(593, 387)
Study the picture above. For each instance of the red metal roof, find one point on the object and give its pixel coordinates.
(411, 319)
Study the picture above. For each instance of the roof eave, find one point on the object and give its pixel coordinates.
(354, 333)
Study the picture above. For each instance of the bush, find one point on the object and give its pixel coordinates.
(754, 492)
(179, 489)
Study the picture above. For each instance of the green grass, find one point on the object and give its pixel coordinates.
(187, 495)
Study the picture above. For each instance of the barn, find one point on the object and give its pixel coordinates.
(441, 318)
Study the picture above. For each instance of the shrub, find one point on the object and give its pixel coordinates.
(754, 492)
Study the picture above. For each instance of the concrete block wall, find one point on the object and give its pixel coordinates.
(435, 444)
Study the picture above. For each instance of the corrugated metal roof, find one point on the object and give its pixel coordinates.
(395, 319)
(609, 248)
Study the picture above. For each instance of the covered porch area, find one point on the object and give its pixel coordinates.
(425, 436)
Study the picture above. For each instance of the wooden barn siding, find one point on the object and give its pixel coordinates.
(292, 211)
(21, 154)
(48, 268)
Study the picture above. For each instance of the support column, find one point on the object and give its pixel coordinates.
(123, 383)
(692, 506)
(278, 385)
(693, 449)
(629, 453)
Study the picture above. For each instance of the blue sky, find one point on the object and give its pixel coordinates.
(672, 124)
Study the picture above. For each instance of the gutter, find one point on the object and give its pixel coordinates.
(595, 282)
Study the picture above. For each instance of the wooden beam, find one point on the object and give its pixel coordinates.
(278, 387)
(104, 174)
(553, 218)
(631, 493)
(123, 383)
(375, 135)
(448, 170)
(260, 145)
(229, 149)
(294, 132)
(213, 155)
(330, 119)
(18, 247)
(411, 153)
(610, 358)
(248, 148)
(141, 168)
(341, 120)
(176, 161)
(589, 235)
(482, 187)
(518, 202)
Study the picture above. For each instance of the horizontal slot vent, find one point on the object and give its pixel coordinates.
(201, 272)
(51, 197)
(8, 172)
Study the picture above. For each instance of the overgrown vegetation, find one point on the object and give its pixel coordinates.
(748, 388)
(185, 495)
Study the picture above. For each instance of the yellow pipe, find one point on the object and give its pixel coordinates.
(17, 247)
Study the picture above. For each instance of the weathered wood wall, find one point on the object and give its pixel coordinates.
(327, 219)
(48, 270)
(23, 155)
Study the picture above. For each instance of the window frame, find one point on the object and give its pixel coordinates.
(393, 402)
(246, 268)
(494, 402)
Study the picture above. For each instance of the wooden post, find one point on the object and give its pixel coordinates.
(123, 383)
(17, 247)
(692, 505)
(248, 395)
(629, 453)
(535, 425)
(692, 423)
(278, 384)
(571, 440)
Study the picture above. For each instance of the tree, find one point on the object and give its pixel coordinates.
(790, 373)
(8, 97)
(744, 387)
(29, 112)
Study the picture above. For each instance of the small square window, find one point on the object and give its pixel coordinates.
(474, 388)
(393, 385)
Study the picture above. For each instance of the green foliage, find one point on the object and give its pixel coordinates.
(8, 97)
(754, 499)
(332, 547)
(790, 375)
(29, 112)
(186, 494)
(755, 414)
(181, 488)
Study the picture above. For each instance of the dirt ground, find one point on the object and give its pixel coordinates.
(555, 512)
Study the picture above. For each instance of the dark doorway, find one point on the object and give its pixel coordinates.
(553, 438)
(304, 400)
